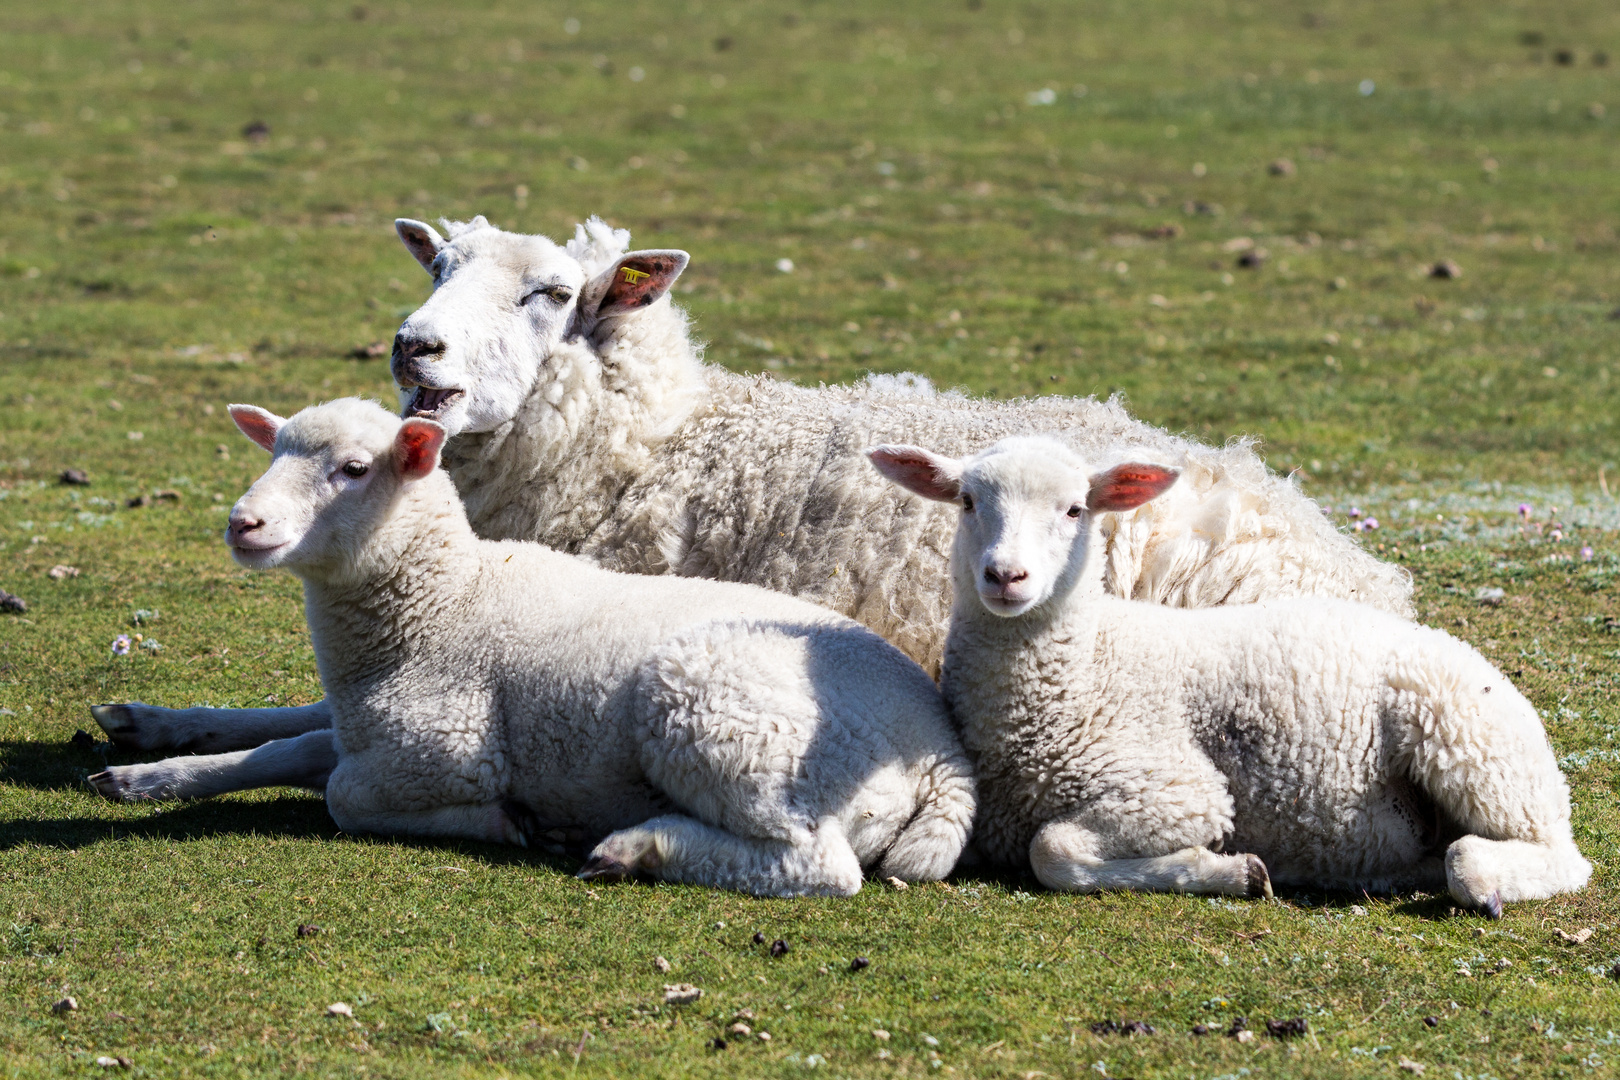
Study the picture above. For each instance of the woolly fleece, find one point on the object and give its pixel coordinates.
(1343, 746)
(723, 734)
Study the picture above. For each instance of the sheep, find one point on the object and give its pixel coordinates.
(1123, 745)
(708, 732)
(583, 417)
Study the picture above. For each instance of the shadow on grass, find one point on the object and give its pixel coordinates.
(302, 818)
(292, 817)
(59, 766)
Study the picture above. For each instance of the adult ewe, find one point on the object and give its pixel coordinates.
(713, 733)
(582, 417)
(1120, 745)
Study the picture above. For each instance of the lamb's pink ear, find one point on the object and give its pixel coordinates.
(416, 447)
(1125, 487)
(258, 424)
(917, 470)
(635, 281)
(420, 239)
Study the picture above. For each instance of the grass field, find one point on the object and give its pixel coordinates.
(1016, 199)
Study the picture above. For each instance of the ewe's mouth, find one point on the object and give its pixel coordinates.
(432, 401)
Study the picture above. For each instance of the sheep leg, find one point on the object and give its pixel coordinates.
(135, 726)
(1070, 858)
(1485, 874)
(674, 847)
(1478, 749)
(306, 762)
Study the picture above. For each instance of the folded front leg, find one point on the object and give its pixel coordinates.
(305, 762)
(674, 847)
(1069, 857)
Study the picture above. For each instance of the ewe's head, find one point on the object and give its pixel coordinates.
(502, 303)
(1028, 506)
(336, 473)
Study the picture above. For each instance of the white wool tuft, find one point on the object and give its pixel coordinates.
(903, 384)
(454, 229)
(598, 245)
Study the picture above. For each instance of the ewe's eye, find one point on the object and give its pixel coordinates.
(557, 294)
(356, 469)
(967, 503)
(1075, 510)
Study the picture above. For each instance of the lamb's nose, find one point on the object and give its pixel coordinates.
(1003, 578)
(241, 524)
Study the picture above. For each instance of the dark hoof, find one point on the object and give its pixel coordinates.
(604, 868)
(106, 785)
(1492, 907)
(117, 721)
(523, 819)
(1259, 884)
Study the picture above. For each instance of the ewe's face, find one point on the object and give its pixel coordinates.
(333, 479)
(1025, 529)
(501, 303)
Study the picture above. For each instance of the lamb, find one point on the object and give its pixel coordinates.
(1124, 745)
(582, 417)
(713, 733)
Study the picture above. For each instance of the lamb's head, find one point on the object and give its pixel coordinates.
(335, 476)
(502, 303)
(1029, 506)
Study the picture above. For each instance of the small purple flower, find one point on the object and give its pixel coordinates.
(1524, 511)
(1355, 511)
(1558, 534)
(1587, 553)
(1370, 524)
(121, 645)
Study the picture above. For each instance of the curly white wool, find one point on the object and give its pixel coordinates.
(713, 733)
(1123, 744)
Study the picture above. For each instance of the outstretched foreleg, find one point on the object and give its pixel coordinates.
(135, 726)
(305, 762)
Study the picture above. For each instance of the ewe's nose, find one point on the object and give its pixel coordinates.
(410, 352)
(1003, 577)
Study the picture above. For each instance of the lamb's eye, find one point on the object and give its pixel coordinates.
(356, 469)
(1075, 510)
(967, 503)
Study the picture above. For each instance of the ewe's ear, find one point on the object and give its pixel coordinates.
(258, 424)
(416, 447)
(1125, 487)
(917, 470)
(420, 239)
(635, 281)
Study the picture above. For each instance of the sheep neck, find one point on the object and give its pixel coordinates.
(992, 662)
(402, 587)
(590, 426)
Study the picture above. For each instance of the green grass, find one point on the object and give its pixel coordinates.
(156, 264)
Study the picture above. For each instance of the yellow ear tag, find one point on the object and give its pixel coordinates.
(633, 277)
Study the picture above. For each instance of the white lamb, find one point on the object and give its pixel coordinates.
(1121, 745)
(583, 417)
(723, 734)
